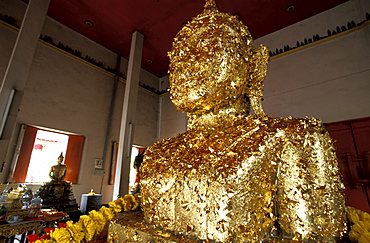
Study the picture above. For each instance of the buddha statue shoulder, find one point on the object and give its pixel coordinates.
(58, 171)
(236, 174)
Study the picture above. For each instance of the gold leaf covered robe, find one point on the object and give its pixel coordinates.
(254, 179)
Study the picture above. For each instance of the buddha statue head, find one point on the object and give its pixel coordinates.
(214, 67)
(60, 158)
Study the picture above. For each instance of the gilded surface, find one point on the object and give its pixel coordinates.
(9, 230)
(21, 213)
(129, 227)
(237, 176)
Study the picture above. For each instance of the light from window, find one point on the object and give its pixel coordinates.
(47, 148)
(134, 152)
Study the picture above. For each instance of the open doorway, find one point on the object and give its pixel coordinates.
(135, 151)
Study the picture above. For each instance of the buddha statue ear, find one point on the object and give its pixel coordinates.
(257, 72)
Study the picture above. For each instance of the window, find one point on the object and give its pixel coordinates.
(47, 147)
(40, 149)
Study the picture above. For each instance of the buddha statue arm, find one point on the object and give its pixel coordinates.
(51, 173)
(309, 186)
(63, 173)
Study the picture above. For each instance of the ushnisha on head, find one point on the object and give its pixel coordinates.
(214, 67)
(60, 158)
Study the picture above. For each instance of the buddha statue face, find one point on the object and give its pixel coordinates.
(209, 63)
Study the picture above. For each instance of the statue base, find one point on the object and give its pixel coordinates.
(58, 195)
(125, 227)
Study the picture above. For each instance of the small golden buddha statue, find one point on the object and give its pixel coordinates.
(237, 175)
(58, 172)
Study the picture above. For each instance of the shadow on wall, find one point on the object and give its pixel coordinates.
(350, 25)
(13, 22)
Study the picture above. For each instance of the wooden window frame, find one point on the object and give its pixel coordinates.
(72, 157)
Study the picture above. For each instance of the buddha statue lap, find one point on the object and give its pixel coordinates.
(234, 175)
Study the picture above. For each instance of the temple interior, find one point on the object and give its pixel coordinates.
(91, 81)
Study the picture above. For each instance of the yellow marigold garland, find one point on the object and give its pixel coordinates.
(99, 220)
(76, 231)
(107, 212)
(130, 202)
(360, 229)
(116, 208)
(92, 224)
(89, 227)
(60, 235)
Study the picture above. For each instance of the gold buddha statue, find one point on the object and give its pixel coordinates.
(238, 175)
(57, 193)
(58, 172)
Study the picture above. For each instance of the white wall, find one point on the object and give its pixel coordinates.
(172, 122)
(66, 94)
(319, 24)
(330, 81)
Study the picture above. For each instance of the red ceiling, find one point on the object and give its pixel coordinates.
(114, 21)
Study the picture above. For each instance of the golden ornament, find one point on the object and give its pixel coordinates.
(237, 175)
